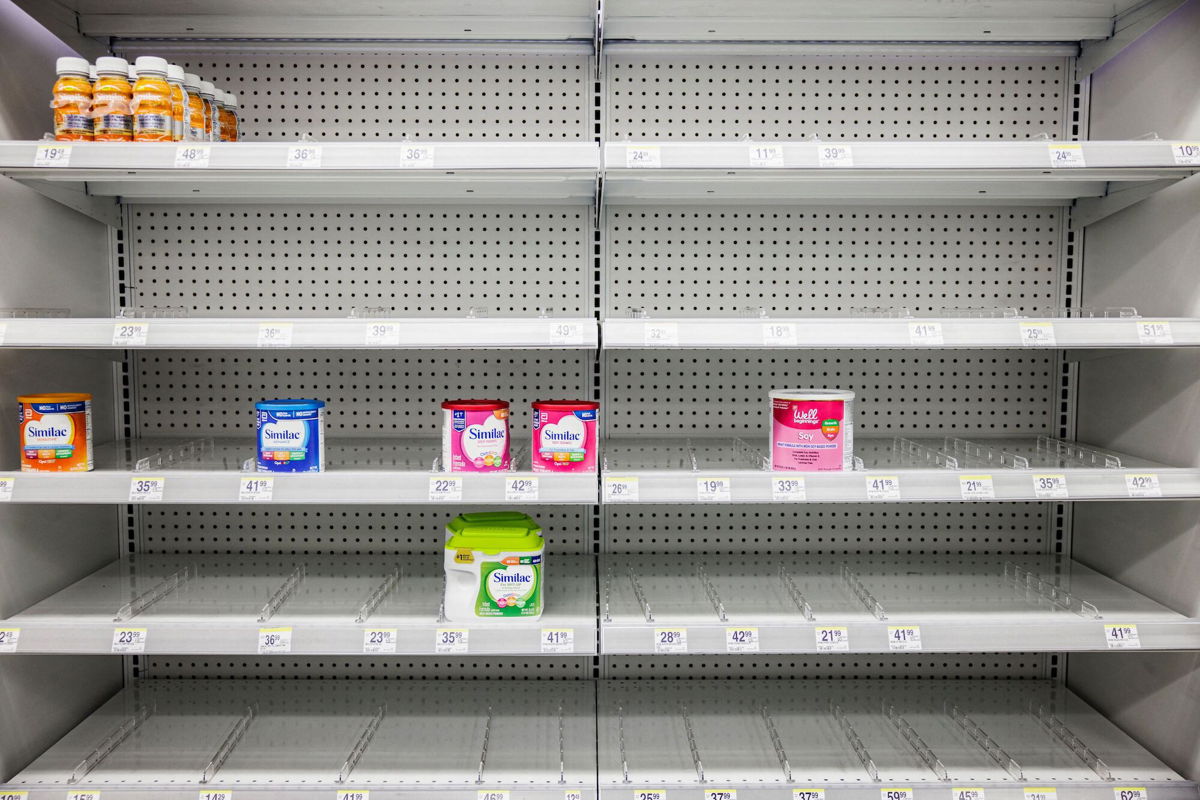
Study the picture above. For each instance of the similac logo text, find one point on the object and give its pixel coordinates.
(52, 429)
(476, 433)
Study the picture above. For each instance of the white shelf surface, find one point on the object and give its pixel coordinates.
(535, 740)
(787, 604)
(216, 607)
(648, 729)
(241, 333)
(882, 172)
(896, 469)
(863, 20)
(142, 172)
(934, 332)
(357, 471)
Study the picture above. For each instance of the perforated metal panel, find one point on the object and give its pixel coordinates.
(1000, 666)
(391, 668)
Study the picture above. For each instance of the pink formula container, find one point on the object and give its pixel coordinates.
(812, 430)
(564, 435)
(474, 435)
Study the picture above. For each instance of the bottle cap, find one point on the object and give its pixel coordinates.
(92, 73)
(132, 73)
(192, 82)
(175, 73)
(111, 65)
(153, 64)
(72, 65)
(231, 99)
(207, 89)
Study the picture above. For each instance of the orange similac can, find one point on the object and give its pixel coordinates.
(56, 432)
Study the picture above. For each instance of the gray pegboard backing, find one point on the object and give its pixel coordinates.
(691, 261)
(237, 260)
(334, 530)
(998, 528)
(378, 92)
(721, 393)
(710, 92)
(400, 668)
(1003, 666)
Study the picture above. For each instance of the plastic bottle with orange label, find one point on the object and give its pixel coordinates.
(227, 116)
(151, 106)
(72, 101)
(178, 101)
(111, 97)
(193, 120)
(212, 125)
(231, 102)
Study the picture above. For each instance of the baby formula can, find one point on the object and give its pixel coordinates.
(291, 435)
(812, 430)
(564, 435)
(495, 566)
(56, 432)
(474, 435)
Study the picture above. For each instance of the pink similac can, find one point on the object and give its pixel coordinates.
(812, 430)
(474, 435)
(564, 435)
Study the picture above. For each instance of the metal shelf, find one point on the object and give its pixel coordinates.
(531, 740)
(229, 605)
(874, 604)
(860, 740)
(894, 469)
(218, 471)
(152, 332)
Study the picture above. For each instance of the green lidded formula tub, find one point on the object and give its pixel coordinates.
(494, 567)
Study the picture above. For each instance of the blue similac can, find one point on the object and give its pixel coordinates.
(291, 435)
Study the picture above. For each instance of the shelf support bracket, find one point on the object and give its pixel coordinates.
(360, 746)
(915, 741)
(989, 745)
(231, 741)
(110, 743)
(1093, 209)
(101, 209)
(1126, 31)
(152, 595)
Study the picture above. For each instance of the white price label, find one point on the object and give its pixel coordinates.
(904, 637)
(967, 793)
(766, 155)
(925, 334)
(835, 155)
(130, 334)
(566, 333)
(558, 640)
(193, 156)
(714, 490)
(382, 334)
(1186, 153)
(492, 794)
(129, 640)
(9, 639)
(620, 490)
(662, 334)
(779, 334)
(808, 794)
(274, 640)
(1122, 637)
(896, 794)
(379, 640)
(1048, 793)
(788, 490)
(650, 794)
(52, 155)
(450, 640)
(1066, 155)
(147, 490)
(883, 487)
(416, 155)
(14, 795)
(1037, 334)
(643, 156)
(85, 795)
(445, 490)
(1050, 487)
(741, 640)
(6, 489)
(521, 490)
(670, 640)
(255, 489)
(216, 794)
(833, 639)
(572, 794)
(353, 794)
(274, 334)
(304, 156)
(1130, 793)
(1143, 485)
(720, 794)
(1154, 332)
(976, 487)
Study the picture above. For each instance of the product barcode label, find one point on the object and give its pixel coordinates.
(925, 334)
(379, 640)
(883, 487)
(1050, 487)
(643, 156)
(274, 640)
(835, 155)
(492, 794)
(833, 639)
(766, 155)
(967, 793)
(896, 794)
(1143, 485)
(193, 156)
(450, 640)
(620, 490)
(147, 490)
(788, 490)
(661, 334)
(304, 156)
(130, 334)
(521, 490)
(353, 794)
(1048, 793)
(720, 794)
(52, 155)
(255, 489)
(741, 640)
(1130, 793)
(1066, 155)
(445, 490)
(808, 794)
(1122, 637)
(904, 637)
(416, 155)
(1037, 334)
(670, 640)
(129, 640)
(714, 490)
(9, 639)
(215, 794)
(566, 333)
(6, 489)
(1154, 332)
(274, 334)
(976, 487)
(558, 640)
(1185, 153)
(382, 334)
(779, 334)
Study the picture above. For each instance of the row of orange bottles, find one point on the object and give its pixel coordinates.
(152, 101)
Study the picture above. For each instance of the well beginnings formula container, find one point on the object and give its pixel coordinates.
(495, 565)
(291, 435)
(564, 435)
(474, 435)
(56, 432)
(812, 430)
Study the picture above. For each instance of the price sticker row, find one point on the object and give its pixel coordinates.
(521, 490)
(6, 489)
(10, 638)
(714, 490)
(274, 641)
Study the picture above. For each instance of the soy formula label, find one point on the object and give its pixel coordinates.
(291, 436)
(510, 588)
(811, 431)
